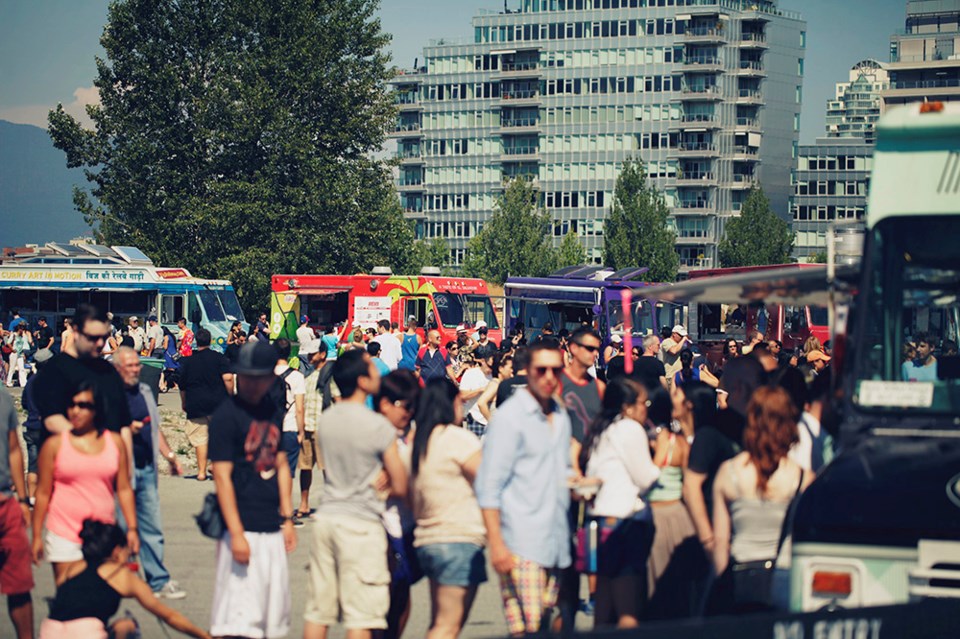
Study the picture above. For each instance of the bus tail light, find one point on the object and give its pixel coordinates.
(832, 584)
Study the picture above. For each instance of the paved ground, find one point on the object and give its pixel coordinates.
(190, 559)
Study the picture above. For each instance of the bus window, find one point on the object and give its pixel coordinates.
(449, 309)
(211, 304)
(171, 308)
(641, 317)
(479, 308)
(230, 304)
(416, 307)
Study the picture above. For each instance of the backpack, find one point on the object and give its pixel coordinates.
(323, 385)
(280, 390)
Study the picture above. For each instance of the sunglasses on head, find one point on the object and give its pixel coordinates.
(542, 370)
(83, 405)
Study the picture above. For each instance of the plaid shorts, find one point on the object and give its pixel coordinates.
(528, 591)
(474, 426)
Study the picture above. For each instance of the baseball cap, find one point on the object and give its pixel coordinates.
(256, 358)
(304, 319)
(152, 318)
(133, 318)
(680, 330)
(356, 324)
(616, 339)
(817, 355)
(411, 320)
(462, 328)
(481, 324)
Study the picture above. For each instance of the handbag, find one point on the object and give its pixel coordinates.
(589, 540)
(753, 580)
(210, 519)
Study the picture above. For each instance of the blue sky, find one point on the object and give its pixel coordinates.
(47, 47)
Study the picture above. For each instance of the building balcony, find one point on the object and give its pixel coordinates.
(520, 70)
(694, 150)
(692, 207)
(753, 41)
(709, 93)
(520, 97)
(745, 153)
(517, 126)
(411, 158)
(696, 178)
(520, 154)
(696, 122)
(410, 186)
(692, 263)
(751, 69)
(410, 130)
(414, 213)
(749, 96)
(687, 237)
(409, 104)
(746, 125)
(704, 35)
(741, 182)
(702, 64)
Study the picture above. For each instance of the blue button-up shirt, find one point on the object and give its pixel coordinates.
(524, 473)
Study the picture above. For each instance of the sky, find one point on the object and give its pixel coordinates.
(47, 47)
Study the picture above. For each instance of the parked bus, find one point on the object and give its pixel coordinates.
(52, 280)
(712, 324)
(443, 303)
(579, 295)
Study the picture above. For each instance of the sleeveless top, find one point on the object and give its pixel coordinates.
(583, 403)
(83, 487)
(85, 595)
(756, 525)
(669, 486)
(408, 352)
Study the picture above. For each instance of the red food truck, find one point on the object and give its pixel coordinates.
(437, 302)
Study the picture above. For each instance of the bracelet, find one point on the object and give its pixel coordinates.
(24, 500)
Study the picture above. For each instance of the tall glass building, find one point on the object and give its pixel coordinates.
(562, 92)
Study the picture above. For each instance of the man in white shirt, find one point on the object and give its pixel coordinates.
(670, 350)
(154, 337)
(390, 351)
(294, 418)
(309, 343)
(135, 331)
(815, 446)
(474, 381)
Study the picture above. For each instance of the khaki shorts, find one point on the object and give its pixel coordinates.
(197, 433)
(348, 573)
(309, 453)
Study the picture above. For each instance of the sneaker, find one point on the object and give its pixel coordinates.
(171, 591)
(297, 522)
(586, 607)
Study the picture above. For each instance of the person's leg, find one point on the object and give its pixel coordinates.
(290, 445)
(123, 628)
(627, 594)
(20, 608)
(306, 479)
(32, 439)
(451, 606)
(151, 534)
(23, 370)
(202, 470)
(603, 615)
(512, 611)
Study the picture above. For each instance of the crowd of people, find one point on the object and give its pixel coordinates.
(651, 489)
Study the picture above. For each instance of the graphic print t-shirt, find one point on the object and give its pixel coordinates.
(249, 437)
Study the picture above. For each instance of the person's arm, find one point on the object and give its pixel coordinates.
(45, 462)
(575, 449)
(467, 395)
(227, 498)
(227, 383)
(396, 471)
(140, 591)
(721, 520)
(126, 436)
(125, 496)
(634, 446)
(500, 448)
(500, 555)
(471, 466)
(299, 402)
(176, 467)
(676, 348)
(16, 472)
(285, 485)
(708, 378)
(488, 395)
(693, 497)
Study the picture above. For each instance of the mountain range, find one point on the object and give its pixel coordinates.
(36, 189)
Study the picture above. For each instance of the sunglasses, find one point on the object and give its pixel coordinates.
(542, 370)
(83, 405)
(402, 405)
(96, 338)
(591, 349)
(454, 348)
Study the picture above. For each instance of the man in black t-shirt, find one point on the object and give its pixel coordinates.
(43, 336)
(80, 362)
(253, 488)
(648, 368)
(205, 381)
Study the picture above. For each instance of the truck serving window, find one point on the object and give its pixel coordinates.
(912, 297)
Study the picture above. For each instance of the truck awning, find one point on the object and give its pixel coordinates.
(314, 291)
(806, 286)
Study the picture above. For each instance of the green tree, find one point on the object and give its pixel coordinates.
(571, 251)
(235, 138)
(636, 232)
(757, 237)
(430, 253)
(515, 240)
(819, 257)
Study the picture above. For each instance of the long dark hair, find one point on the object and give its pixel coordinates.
(703, 403)
(436, 409)
(686, 365)
(622, 391)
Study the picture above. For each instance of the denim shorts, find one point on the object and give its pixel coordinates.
(453, 564)
(34, 440)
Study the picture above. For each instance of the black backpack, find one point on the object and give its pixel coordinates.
(323, 385)
(279, 391)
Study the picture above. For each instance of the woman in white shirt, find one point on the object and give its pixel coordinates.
(617, 452)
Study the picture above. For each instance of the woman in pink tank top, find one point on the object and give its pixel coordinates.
(81, 470)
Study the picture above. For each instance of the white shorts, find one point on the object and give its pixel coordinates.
(57, 550)
(252, 600)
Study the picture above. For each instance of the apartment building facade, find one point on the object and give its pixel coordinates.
(925, 55)
(562, 92)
